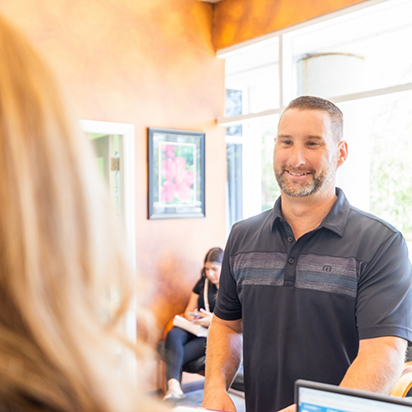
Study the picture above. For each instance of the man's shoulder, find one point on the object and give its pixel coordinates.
(364, 221)
(251, 233)
(367, 235)
(264, 219)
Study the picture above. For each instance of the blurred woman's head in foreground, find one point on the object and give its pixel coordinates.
(59, 255)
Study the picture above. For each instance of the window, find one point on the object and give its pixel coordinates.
(234, 194)
(255, 74)
(360, 59)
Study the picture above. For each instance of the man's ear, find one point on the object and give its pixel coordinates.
(342, 152)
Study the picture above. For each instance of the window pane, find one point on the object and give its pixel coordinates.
(366, 50)
(252, 79)
(235, 131)
(379, 167)
(270, 188)
(234, 195)
(233, 103)
(259, 187)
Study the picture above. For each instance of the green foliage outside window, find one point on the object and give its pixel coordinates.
(391, 165)
(270, 188)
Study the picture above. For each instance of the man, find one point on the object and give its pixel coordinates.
(320, 289)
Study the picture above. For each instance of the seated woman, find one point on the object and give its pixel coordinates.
(182, 346)
(59, 257)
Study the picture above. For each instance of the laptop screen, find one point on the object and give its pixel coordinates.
(319, 397)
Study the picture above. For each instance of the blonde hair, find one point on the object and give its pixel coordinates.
(58, 255)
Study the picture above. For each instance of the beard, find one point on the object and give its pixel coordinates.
(317, 182)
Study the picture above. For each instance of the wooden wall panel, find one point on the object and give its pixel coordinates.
(150, 63)
(240, 20)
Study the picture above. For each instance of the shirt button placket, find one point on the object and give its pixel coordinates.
(290, 271)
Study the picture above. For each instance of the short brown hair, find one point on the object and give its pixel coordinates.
(317, 103)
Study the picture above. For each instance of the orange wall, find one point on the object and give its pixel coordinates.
(239, 20)
(150, 63)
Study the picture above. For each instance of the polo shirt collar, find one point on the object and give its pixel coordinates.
(335, 220)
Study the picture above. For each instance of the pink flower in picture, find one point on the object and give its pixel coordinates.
(179, 180)
(169, 150)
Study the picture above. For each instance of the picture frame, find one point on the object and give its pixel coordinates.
(176, 174)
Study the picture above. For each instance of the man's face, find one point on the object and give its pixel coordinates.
(306, 154)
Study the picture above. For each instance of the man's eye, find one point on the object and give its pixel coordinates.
(286, 142)
(312, 143)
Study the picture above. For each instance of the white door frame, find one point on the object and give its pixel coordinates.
(129, 214)
(127, 131)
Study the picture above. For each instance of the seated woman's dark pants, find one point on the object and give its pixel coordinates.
(181, 347)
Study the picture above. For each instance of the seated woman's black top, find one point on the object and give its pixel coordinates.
(212, 294)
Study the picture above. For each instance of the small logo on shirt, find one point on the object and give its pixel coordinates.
(327, 268)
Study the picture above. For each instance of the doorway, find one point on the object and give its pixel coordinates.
(114, 145)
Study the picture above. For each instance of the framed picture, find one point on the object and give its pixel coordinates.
(176, 174)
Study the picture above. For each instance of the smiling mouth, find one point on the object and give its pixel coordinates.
(298, 174)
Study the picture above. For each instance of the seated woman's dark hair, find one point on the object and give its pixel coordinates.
(215, 254)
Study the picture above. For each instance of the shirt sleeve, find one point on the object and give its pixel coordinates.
(198, 288)
(384, 302)
(228, 306)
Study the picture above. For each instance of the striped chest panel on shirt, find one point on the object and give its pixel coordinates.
(322, 273)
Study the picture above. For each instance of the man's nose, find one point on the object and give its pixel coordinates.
(297, 156)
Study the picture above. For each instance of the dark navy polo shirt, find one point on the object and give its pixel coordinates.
(305, 304)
